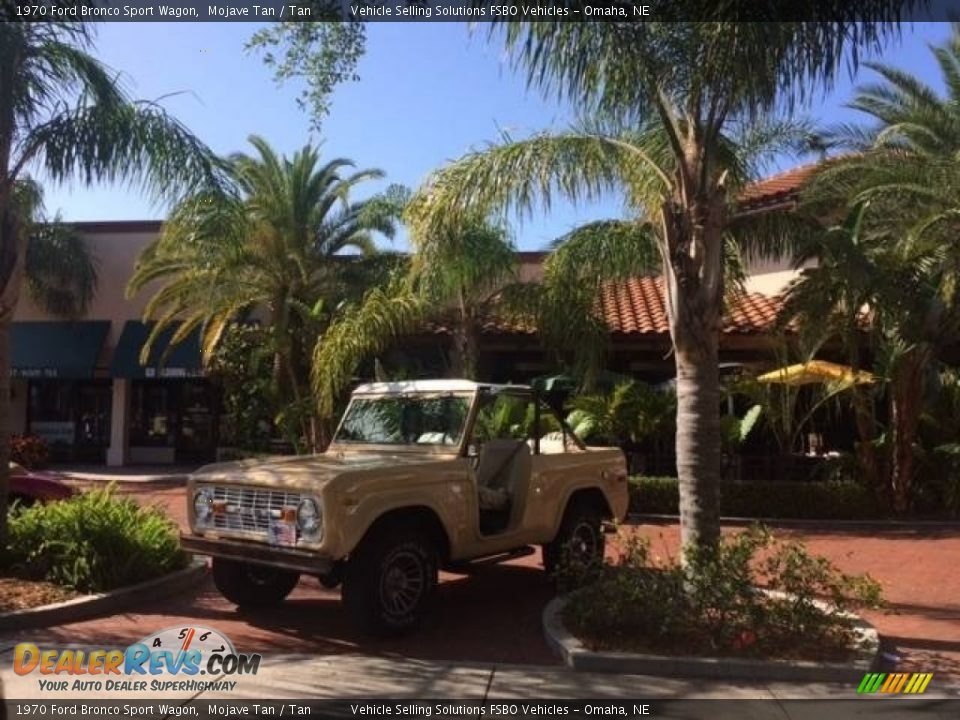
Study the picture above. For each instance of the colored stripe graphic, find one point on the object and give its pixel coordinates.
(894, 683)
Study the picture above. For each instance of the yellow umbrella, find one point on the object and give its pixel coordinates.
(817, 371)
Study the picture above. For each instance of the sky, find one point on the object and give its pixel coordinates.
(428, 93)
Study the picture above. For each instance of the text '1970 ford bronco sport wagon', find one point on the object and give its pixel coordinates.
(420, 476)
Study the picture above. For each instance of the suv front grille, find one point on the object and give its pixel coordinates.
(250, 510)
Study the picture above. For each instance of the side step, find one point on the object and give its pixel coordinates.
(470, 566)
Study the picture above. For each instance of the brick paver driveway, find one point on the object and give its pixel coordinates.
(494, 616)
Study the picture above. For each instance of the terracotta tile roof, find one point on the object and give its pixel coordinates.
(779, 187)
(635, 307)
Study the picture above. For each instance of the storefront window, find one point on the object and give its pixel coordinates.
(52, 411)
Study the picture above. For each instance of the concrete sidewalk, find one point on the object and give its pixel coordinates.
(165, 474)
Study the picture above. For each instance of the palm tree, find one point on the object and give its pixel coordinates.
(828, 301)
(468, 270)
(460, 277)
(902, 261)
(683, 88)
(60, 270)
(664, 237)
(272, 243)
(64, 115)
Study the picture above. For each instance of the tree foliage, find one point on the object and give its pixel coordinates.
(895, 253)
(322, 53)
(64, 115)
(271, 243)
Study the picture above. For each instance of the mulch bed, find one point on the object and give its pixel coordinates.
(19, 594)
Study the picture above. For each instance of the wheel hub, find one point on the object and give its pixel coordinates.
(583, 543)
(402, 584)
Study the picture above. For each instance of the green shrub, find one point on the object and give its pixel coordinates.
(92, 542)
(841, 500)
(714, 606)
(654, 495)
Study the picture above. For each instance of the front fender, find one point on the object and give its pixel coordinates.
(357, 503)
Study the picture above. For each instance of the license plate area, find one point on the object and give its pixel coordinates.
(282, 531)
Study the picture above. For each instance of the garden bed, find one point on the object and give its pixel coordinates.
(578, 655)
(752, 598)
(19, 594)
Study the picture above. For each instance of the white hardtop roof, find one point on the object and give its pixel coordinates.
(431, 386)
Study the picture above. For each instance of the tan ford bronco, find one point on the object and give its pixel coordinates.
(420, 476)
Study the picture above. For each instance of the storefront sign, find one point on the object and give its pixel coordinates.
(169, 372)
(34, 373)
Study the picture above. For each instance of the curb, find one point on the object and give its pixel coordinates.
(90, 606)
(576, 656)
(825, 524)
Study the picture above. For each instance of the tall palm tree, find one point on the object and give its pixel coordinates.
(64, 115)
(901, 185)
(271, 243)
(682, 88)
(644, 165)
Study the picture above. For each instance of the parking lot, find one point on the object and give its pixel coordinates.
(494, 615)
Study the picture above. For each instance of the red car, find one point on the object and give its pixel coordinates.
(30, 486)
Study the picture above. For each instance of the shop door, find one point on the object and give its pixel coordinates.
(197, 436)
(94, 400)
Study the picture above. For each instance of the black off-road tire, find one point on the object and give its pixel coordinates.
(333, 579)
(251, 586)
(389, 580)
(579, 540)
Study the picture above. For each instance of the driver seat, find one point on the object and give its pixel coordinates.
(499, 464)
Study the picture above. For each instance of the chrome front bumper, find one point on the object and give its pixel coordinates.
(259, 554)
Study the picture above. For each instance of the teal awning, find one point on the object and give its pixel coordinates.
(181, 360)
(66, 350)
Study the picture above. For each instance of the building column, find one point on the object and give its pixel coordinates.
(119, 450)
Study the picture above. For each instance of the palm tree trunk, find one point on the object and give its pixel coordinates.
(694, 289)
(699, 456)
(465, 342)
(308, 426)
(866, 425)
(906, 405)
(5, 324)
(12, 258)
(864, 414)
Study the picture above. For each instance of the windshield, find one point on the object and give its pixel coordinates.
(405, 420)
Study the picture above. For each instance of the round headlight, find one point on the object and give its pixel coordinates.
(308, 517)
(202, 506)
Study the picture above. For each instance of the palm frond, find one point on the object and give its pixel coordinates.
(520, 176)
(61, 269)
(361, 330)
